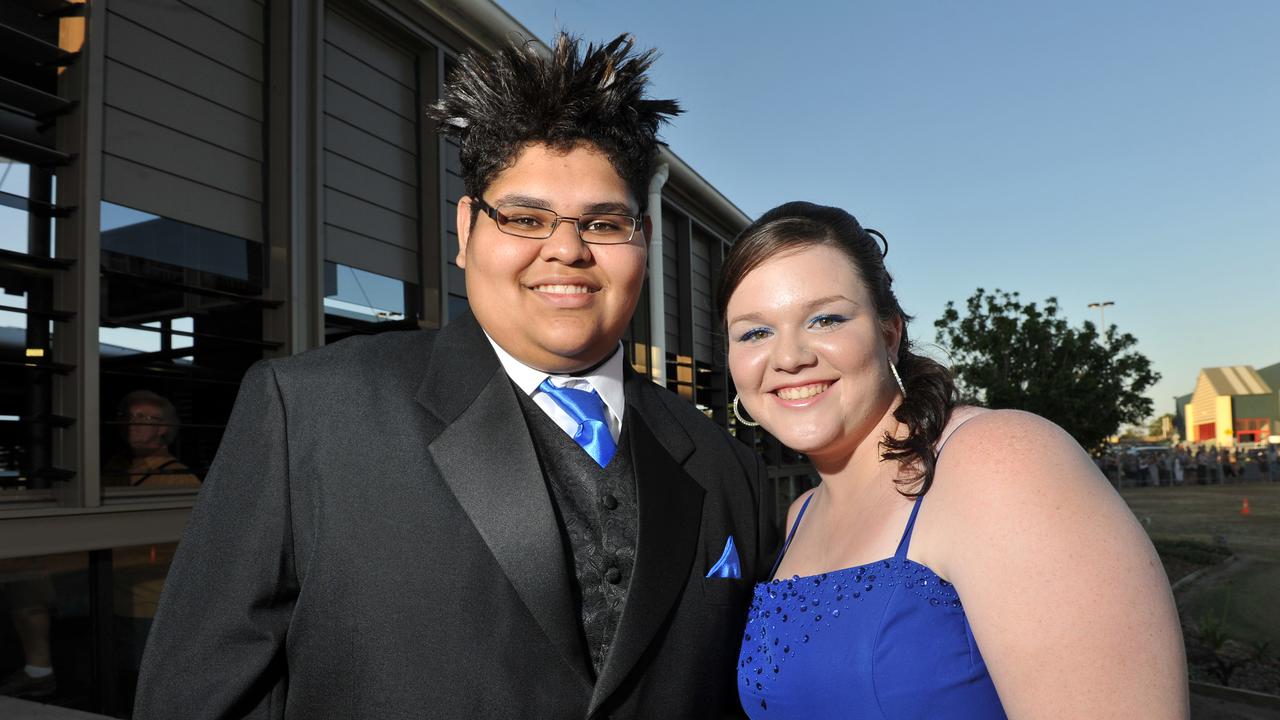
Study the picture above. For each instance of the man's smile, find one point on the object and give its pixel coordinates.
(563, 289)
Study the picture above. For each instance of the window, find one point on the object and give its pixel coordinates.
(46, 624)
(358, 302)
(28, 325)
(1252, 430)
(181, 321)
(137, 578)
(86, 645)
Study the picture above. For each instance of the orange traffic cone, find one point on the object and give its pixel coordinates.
(1244, 508)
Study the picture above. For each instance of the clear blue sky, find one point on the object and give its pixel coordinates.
(1125, 150)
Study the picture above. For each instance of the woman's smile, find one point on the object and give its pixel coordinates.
(797, 396)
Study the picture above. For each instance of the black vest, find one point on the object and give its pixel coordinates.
(597, 513)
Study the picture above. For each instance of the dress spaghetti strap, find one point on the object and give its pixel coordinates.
(905, 543)
(790, 535)
(884, 639)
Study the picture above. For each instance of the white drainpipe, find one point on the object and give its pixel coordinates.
(657, 281)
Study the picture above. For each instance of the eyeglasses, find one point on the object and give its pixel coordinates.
(139, 419)
(539, 223)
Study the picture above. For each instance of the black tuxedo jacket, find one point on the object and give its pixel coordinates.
(376, 540)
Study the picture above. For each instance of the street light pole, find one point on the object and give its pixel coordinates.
(1101, 307)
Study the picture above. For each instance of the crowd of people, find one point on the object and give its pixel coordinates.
(1200, 464)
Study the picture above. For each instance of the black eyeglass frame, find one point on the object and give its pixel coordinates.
(492, 213)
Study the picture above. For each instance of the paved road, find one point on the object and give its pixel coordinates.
(1207, 708)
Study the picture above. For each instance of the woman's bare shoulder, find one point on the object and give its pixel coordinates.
(985, 446)
(796, 506)
(1008, 476)
(1021, 521)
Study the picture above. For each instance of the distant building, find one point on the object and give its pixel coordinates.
(1232, 405)
(1180, 404)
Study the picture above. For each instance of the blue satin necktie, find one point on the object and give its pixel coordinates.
(587, 409)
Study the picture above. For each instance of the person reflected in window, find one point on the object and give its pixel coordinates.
(29, 599)
(149, 425)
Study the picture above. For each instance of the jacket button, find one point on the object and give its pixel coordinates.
(610, 502)
(613, 575)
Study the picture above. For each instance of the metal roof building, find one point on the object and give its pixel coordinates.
(1235, 404)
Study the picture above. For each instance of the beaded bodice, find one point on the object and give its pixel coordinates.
(887, 639)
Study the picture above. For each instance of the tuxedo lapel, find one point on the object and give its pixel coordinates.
(670, 512)
(486, 457)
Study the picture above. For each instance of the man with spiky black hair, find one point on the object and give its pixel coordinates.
(498, 519)
(496, 105)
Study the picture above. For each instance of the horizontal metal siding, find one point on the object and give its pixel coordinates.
(136, 186)
(242, 15)
(700, 282)
(1204, 402)
(370, 159)
(352, 107)
(196, 31)
(1254, 406)
(359, 145)
(370, 47)
(671, 281)
(353, 74)
(145, 96)
(183, 135)
(454, 190)
(144, 49)
(177, 153)
(369, 219)
(361, 181)
(367, 253)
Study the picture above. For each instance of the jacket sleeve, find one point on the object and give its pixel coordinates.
(216, 649)
(768, 546)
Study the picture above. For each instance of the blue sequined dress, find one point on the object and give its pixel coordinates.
(888, 639)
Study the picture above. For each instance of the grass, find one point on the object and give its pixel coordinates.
(1249, 598)
(1190, 526)
(1207, 513)
(1191, 551)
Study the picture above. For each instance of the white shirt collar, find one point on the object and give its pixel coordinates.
(605, 379)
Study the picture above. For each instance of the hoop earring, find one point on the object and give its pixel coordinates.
(898, 378)
(737, 412)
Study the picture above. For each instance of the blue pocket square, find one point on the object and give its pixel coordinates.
(728, 565)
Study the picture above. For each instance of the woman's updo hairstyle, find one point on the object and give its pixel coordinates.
(930, 391)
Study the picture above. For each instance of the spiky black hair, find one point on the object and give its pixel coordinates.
(496, 104)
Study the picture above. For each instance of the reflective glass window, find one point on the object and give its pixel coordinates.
(358, 302)
(137, 579)
(40, 42)
(28, 272)
(181, 321)
(45, 629)
(63, 643)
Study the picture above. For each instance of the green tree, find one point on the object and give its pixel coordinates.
(1156, 428)
(1007, 354)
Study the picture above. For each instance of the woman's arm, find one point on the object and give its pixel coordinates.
(1067, 599)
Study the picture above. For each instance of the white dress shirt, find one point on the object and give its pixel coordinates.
(606, 380)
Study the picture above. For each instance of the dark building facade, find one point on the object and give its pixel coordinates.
(186, 187)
